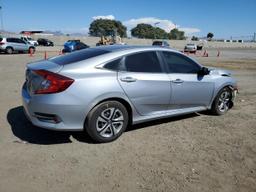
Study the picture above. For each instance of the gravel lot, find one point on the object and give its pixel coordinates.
(196, 152)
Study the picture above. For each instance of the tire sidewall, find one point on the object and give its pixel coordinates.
(90, 124)
(9, 52)
(215, 108)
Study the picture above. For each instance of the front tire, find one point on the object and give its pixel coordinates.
(107, 121)
(223, 102)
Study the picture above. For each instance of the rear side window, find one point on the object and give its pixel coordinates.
(113, 65)
(178, 63)
(78, 56)
(143, 62)
(157, 43)
(11, 40)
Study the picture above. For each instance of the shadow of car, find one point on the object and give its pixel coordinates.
(27, 132)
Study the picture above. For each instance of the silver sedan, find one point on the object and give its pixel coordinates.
(103, 90)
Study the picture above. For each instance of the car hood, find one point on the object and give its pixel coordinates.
(219, 71)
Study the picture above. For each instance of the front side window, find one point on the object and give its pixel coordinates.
(146, 62)
(20, 41)
(178, 63)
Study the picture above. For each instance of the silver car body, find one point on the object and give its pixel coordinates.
(148, 96)
(16, 44)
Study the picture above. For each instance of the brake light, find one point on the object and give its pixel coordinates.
(52, 82)
(1, 43)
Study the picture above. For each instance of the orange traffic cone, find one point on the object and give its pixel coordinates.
(30, 52)
(45, 55)
(205, 54)
(218, 54)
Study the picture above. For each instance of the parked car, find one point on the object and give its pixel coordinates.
(74, 45)
(29, 40)
(161, 43)
(45, 42)
(11, 44)
(105, 89)
(190, 47)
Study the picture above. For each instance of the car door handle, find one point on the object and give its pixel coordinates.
(178, 81)
(128, 79)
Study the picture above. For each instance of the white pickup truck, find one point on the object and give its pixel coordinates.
(29, 40)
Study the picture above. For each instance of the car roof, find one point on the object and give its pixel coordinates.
(117, 48)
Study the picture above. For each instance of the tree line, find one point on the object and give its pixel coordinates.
(106, 27)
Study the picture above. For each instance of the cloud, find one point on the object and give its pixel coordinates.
(111, 17)
(164, 24)
(189, 30)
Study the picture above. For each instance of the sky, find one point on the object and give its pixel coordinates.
(224, 18)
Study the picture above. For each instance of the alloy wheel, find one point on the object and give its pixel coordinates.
(110, 122)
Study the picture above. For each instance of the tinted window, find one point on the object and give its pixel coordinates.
(113, 65)
(157, 43)
(78, 56)
(143, 62)
(1, 39)
(20, 41)
(11, 40)
(178, 63)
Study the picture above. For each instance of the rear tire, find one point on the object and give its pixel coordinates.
(9, 50)
(223, 102)
(107, 121)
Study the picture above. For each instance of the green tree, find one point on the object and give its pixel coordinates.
(107, 27)
(210, 36)
(176, 34)
(194, 38)
(147, 31)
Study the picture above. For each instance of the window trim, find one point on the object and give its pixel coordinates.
(179, 54)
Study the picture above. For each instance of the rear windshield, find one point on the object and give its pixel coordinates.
(157, 43)
(78, 56)
(1, 39)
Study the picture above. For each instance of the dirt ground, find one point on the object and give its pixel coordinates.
(196, 152)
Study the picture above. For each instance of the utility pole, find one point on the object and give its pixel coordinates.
(254, 37)
(1, 17)
(156, 23)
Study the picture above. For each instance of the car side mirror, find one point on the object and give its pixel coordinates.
(204, 71)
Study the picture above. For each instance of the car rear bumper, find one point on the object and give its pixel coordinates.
(189, 50)
(42, 112)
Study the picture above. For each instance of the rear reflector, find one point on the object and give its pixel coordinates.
(50, 118)
(52, 82)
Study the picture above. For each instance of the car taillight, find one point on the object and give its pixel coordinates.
(1, 43)
(52, 82)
